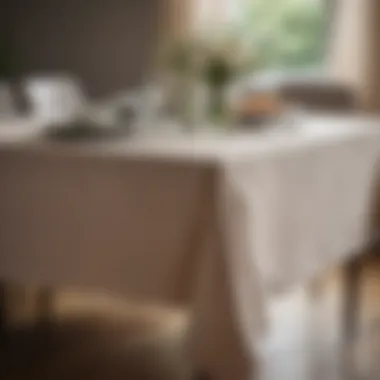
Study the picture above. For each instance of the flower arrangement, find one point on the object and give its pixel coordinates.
(215, 63)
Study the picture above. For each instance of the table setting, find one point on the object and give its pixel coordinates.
(214, 210)
(216, 222)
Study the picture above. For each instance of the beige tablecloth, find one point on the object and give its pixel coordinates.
(212, 221)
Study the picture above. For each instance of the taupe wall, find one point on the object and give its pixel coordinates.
(108, 44)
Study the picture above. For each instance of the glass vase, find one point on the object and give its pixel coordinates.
(219, 111)
(188, 102)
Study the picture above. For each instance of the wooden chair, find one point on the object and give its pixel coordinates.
(317, 95)
(99, 338)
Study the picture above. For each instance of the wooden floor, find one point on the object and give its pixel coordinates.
(306, 332)
(93, 333)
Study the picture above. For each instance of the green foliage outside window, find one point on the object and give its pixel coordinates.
(285, 33)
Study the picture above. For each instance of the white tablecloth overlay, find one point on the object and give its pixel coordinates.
(214, 222)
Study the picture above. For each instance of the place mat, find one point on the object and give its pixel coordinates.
(84, 131)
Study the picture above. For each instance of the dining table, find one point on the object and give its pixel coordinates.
(217, 220)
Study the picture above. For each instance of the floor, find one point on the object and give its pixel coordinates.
(306, 342)
(97, 337)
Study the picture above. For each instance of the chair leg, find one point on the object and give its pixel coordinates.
(351, 315)
(351, 300)
(3, 309)
(45, 306)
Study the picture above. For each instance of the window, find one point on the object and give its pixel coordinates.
(284, 34)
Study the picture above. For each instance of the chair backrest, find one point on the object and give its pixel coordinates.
(318, 96)
(308, 90)
(54, 98)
